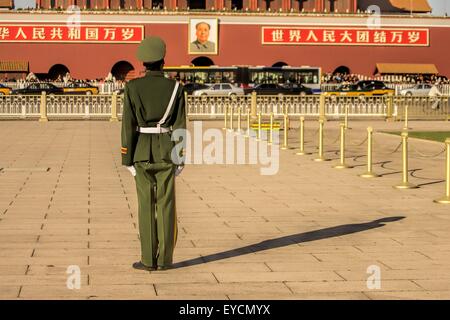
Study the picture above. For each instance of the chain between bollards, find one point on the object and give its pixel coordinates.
(405, 127)
(248, 123)
(231, 119)
(369, 173)
(346, 117)
(405, 184)
(446, 198)
(271, 129)
(239, 120)
(301, 150)
(342, 164)
(285, 133)
(258, 135)
(320, 156)
(225, 118)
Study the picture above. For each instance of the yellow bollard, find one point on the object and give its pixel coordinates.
(239, 120)
(248, 123)
(301, 151)
(114, 108)
(320, 157)
(405, 127)
(43, 107)
(253, 104)
(258, 133)
(369, 173)
(225, 118)
(271, 129)
(346, 117)
(405, 183)
(285, 133)
(231, 119)
(342, 164)
(446, 198)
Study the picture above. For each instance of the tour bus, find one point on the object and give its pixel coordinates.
(247, 76)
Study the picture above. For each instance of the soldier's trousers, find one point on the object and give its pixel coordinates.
(155, 184)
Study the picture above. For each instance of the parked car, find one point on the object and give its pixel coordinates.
(4, 90)
(219, 89)
(191, 87)
(80, 88)
(38, 87)
(375, 87)
(417, 90)
(277, 89)
(361, 89)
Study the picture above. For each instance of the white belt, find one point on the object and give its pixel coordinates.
(152, 130)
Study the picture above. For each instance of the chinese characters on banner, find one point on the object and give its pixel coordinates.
(75, 34)
(345, 36)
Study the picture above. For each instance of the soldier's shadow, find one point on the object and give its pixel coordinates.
(289, 240)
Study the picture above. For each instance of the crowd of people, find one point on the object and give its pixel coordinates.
(327, 78)
(343, 78)
(31, 77)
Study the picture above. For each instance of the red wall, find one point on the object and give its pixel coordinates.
(238, 45)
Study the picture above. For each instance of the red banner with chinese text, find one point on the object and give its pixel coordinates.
(345, 36)
(71, 33)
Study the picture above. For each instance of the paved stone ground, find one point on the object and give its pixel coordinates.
(308, 232)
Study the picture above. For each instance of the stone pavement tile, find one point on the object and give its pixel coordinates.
(351, 286)
(401, 264)
(243, 277)
(279, 266)
(86, 237)
(120, 260)
(12, 280)
(220, 243)
(434, 284)
(420, 274)
(64, 232)
(258, 257)
(86, 269)
(15, 253)
(9, 292)
(129, 244)
(409, 295)
(335, 257)
(56, 252)
(13, 270)
(17, 238)
(195, 289)
(149, 278)
(43, 261)
(51, 292)
(302, 296)
(205, 236)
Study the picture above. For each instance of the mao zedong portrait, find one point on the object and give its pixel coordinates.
(202, 44)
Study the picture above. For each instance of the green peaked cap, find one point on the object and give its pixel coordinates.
(151, 49)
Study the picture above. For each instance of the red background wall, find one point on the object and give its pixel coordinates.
(238, 45)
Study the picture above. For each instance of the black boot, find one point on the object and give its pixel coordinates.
(140, 266)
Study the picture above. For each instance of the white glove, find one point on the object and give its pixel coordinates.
(132, 169)
(178, 170)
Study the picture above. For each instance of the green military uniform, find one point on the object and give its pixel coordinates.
(197, 46)
(146, 104)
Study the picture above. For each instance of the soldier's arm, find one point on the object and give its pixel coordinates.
(180, 119)
(129, 133)
(180, 122)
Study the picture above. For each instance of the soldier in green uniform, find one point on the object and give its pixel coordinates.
(153, 107)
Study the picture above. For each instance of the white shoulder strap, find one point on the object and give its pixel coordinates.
(169, 106)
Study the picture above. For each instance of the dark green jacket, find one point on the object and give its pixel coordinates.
(145, 102)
